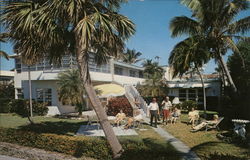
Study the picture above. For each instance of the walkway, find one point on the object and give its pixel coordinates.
(9, 158)
(185, 151)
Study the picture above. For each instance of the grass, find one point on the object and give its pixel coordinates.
(205, 144)
(154, 146)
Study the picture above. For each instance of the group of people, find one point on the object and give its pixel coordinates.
(168, 112)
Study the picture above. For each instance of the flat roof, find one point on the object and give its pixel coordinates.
(7, 73)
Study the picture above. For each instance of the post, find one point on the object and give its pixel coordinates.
(30, 95)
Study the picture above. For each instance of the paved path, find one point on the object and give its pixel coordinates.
(2, 157)
(185, 151)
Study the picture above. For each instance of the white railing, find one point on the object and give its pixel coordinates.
(132, 94)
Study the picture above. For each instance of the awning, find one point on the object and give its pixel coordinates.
(188, 85)
(109, 90)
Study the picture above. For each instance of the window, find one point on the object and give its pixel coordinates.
(182, 94)
(132, 73)
(118, 71)
(192, 94)
(140, 74)
(18, 65)
(19, 93)
(44, 95)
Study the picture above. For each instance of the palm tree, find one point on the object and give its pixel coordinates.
(154, 84)
(190, 54)
(53, 28)
(131, 56)
(215, 20)
(68, 89)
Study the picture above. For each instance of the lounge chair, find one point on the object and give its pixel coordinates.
(208, 126)
(214, 126)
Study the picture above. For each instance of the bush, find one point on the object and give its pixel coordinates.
(21, 107)
(75, 146)
(188, 105)
(4, 107)
(119, 103)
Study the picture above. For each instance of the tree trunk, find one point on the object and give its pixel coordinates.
(225, 68)
(204, 94)
(30, 98)
(82, 60)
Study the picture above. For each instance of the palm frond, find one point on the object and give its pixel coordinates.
(183, 25)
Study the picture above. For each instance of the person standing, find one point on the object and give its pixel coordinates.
(166, 104)
(154, 111)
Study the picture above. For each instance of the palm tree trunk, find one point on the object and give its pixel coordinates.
(30, 98)
(225, 68)
(96, 103)
(204, 94)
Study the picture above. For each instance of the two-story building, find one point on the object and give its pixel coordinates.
(44, 77)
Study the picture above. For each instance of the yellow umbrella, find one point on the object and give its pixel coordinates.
(109, 90)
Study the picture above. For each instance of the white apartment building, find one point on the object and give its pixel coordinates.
(44, 79)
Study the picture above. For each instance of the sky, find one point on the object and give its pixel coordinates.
(152, 37)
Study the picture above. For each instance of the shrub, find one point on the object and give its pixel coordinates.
(75, 146)
(188, 105)
(4, 107)
(119, 103)
(21, 107)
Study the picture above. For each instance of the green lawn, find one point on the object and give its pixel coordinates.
(154, 147)
(205, 144)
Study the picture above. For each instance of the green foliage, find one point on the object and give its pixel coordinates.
(188, 105)
(21, 107)
(219, 156)
(7, 91)
(75, 146)
(69, 89)
(131, 56)
(4, 105)
(154, 86)
(119, 103)
(241, 75)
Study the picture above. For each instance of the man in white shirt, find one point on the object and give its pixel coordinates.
(154, 111)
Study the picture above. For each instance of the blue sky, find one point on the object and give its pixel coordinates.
(152, 36)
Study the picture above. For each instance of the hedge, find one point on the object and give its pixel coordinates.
(119, 103)
(76, 146)
(4, 105)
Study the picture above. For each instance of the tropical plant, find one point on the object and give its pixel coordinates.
(53, 28)
(241, 76)
(215, 20)
(131, 56)
(154, 85)
(68, 89)
(190, 54)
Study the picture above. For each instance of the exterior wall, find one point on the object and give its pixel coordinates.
(45, 77)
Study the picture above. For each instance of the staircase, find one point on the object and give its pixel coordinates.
(132, 94)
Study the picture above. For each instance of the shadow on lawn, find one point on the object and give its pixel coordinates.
(61, 127)
(149, 149)
(217, 156)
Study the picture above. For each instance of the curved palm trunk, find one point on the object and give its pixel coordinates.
(96, 103)
(204, 94)
(225, 69)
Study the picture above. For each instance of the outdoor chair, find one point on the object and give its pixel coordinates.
(214, 126)
(208, 126)
(90, 122)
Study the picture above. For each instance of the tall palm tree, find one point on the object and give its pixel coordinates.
(154, 84)
(215, 19)
(54, 27)
(68, 89)
(131, 56)
(190, 54)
